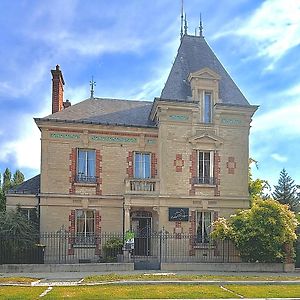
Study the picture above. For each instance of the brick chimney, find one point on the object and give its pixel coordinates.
(57, 90)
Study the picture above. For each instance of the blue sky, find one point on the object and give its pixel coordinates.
(129, 47)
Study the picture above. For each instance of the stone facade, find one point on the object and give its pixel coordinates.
(195, 154)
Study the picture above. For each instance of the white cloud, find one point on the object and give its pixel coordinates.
(278, 157)
(26, 150)
(273, 28)
(283, 121)
(28, 78)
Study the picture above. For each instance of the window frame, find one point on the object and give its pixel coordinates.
(143, 164)
(85, 177)
(201, 178)
(204, 110)
(27, 212)
(84, 237)
(204, 237)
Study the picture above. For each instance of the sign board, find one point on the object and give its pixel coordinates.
(178, 214)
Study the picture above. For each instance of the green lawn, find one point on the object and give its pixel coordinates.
(20, 293)
(120, 277)
(17, 280)
(169, 291)
(266, 291)
(138, 292)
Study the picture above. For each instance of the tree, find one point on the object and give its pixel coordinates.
(261, 233)
(258, 188)
(2, 197)
(7, 184)
(18, 178)
(286, 191)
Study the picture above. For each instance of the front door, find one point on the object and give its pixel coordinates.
(142, 242)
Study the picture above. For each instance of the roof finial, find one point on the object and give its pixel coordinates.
(181, 22)
(200, 27)
(92, 84)
(185, 25)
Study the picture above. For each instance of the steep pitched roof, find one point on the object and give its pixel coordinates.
(30, 186)
(107, 111)
(194, 54)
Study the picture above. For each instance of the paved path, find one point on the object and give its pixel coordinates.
(73, 276)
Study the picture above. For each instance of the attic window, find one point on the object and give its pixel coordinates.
(207, 107)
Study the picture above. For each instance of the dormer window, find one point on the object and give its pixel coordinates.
(207, 107)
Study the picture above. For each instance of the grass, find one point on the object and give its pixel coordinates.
(168, 291)
(138, 292)
(266, 291)
(141, 277)
(18, 292)
(17, 280)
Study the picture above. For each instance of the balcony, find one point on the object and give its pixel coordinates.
(204, 181)
(142, 186)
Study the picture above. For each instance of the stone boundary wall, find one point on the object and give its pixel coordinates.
(45, 268)
(229, 267)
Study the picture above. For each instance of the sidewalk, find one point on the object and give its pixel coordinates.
(77, 276)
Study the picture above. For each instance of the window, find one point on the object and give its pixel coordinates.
(29, 213)
(85, 226)
(204, 219)
(205, 167)
(142, 165)
(86, 166)
(207, 108)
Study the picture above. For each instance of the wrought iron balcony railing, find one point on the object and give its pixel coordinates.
(86, 179)
(204, 180)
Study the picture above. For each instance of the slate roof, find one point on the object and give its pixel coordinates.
(107, 111)
(30, 186)
(194, 54)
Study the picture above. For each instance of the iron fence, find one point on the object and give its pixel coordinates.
(66, 247)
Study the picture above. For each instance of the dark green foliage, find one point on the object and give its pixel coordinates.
(8, 183)
(111, 249)
(286, 191)
(261, 233)
(18, 237)
(18, 178)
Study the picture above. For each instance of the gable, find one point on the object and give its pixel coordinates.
(205, 73)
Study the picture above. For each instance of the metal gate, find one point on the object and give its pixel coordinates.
(147, 251)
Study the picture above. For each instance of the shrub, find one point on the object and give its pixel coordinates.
(111, 249)
(262, 233)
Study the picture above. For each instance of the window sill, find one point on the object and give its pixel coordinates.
(91, 184)
(204, 185)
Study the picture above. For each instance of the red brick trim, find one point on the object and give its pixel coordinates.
(153, 165)
(217, 172)
(98, 172)
(151, 135)
(231, 165)
(129, 169)
(193, 171)
(192, 233)
(97, 232)
(71, 239)
(178, 230)
(178, 163)
(65, 130)
(72, 170)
